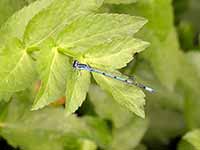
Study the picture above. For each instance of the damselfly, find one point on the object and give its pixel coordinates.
(132, 80)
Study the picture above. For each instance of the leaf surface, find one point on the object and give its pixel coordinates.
(130, 97)
(77, 87)
(20, 20)
(19, 73)
(93, 30)
(120, 1)
(16, 68)
(115, 54)
(52, 19)
(193, 138)
(53, 73)
(49, 128)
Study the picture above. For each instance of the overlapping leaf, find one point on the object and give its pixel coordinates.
(122, 50)
(193, 140)
(107, 108)
(15, 26)
(16, 68)
(55, 17)
(127, 96)
(53, 73)
(130, 135)
(100, 40)
(92, 30)
(77, 87)
(82, 37)
(49, 128)
(127, 131)
(17, 71)
(160, 32)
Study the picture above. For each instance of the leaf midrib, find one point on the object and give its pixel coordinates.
(49, 73)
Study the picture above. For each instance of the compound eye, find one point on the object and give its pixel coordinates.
(75, 63)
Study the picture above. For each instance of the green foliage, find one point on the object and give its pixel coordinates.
(52, 19)
(120, 1)
(191, 140)
(160, 34)
(57, 28)
(41, 41)
(53, 71)
(127, 131)
(93, 30)
(8, 7)
(123, 94)
(49, 128)
(77, 87)
(19, 69)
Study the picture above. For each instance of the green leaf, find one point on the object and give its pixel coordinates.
(122, 50)
(120, 1)
(5, 96)
(107, 108)
(77, 86)
(21, 62)
(92, 30)
(53, 73)
(194, 58)
(130, 97)
(52, 19)
(193, 138)
(8, 7)
(184, 145)
(127, 129)
(49, 128)
(164, 50)
(141, 147)
(19, 21)
(89, 145)
(130, 135)
(190, 87)
(16, 75)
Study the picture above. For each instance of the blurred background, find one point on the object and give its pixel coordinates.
(171, 65)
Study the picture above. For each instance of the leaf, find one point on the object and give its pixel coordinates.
(21, 61)
(8, 7)
(92, 30)
(130, 135)
(16, 75)
(122, 50)
(52, 19)
(107, 108)
(164, 50)
(172, 100)
(49, 128)
(190, 87)
(194, 58)
(77, 87)
(193, 137)
(127, 129)
(130, 97)
(183, 145)
(161, 130)
(53, 72)
(5, 96)
(120, 1)
(19, 21)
